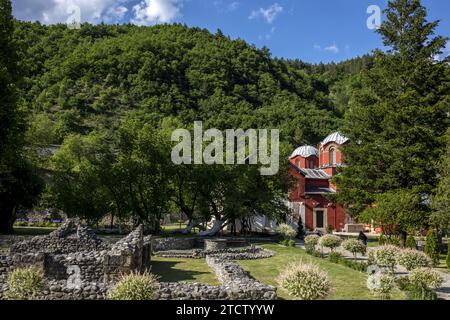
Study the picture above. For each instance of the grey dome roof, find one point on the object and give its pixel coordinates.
(335, 137)
(305, 152)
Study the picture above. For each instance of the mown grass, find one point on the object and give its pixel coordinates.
(347, 284)
(183, 270)
(32, 231)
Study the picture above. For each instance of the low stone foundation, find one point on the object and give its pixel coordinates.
(72, 269)
(79, 266)
(247, 253)
(70, 237)
(164, 244)
(238, 282)
(215, 244)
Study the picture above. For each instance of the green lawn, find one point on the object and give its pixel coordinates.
(32, 231)
(186, 270)
(347, 283)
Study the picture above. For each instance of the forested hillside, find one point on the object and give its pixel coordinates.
(111, 96)
(79, 80)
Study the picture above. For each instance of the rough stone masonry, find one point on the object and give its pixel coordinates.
(79, 266)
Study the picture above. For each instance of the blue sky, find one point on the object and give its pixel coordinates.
(313, 30)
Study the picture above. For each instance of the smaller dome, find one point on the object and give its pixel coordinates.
(335, 137)
(305, 152)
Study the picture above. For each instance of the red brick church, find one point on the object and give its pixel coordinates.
(313, 169)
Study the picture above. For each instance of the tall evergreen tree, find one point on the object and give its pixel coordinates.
(18, 184)
(440, 217)
(397, 121)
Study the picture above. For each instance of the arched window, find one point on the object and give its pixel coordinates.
(332, 156)
(311, 164)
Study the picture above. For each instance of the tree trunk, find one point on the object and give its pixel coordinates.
(403, 236)
(7, 218)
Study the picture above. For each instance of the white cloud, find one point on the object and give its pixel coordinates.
(445, 53)
(229, 7)
(233, 6)
(149, 12)
(56, 11)
(446, 50)
(117, 12)
(333, 48)
(269, 14)
(268, 35)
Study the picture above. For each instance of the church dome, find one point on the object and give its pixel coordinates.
(335, 137)
(305, 152)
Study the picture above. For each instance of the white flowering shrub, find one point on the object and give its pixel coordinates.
(312, 239)
(354, 246)
(412, 259)
(25, 284)
(381, 284)
(135, 287)
(425, 278)
(384, 256)
(304, 281)
(286, 231)
(330, 241)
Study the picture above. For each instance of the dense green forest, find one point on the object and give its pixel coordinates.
(110, 96)
(78, 80)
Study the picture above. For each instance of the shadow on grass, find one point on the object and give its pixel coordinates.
(32, 231)
(170, 271)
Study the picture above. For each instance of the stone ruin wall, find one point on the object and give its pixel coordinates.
(99, 265)
(236, 283)
(75, 263)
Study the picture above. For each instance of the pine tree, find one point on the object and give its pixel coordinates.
(440, 217)
(411, 242)
(300, 229)
(432, 246)
(397, 120)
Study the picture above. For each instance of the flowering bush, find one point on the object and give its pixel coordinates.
(312, 239)
(425, 278)
(354, 246)
(419, 284)
(286, 231)
(335, 257)
(412, 259)
(330, 241)
(304, 281)
(381, 284)
(25, 284)
(136, 287)
(384, 256)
